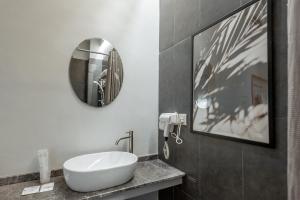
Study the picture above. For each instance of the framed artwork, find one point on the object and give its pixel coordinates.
(232, 77)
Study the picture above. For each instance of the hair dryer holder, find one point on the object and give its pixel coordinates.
(167, 122)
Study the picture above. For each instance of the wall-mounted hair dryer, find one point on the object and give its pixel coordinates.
(167, 121)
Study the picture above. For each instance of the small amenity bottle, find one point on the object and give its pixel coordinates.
(43, 156)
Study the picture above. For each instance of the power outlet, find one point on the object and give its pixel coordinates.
(183, 119)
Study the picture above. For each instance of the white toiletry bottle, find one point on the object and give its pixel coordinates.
(43, 156)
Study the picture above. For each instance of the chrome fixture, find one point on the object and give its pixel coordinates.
(130, 142)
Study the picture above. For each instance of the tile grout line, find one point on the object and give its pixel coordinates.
(188, 195)
(174, 45)
(173, 13)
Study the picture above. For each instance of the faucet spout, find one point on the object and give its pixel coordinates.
(130, 142)
(122, 138)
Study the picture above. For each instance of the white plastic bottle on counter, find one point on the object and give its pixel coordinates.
(43, 156)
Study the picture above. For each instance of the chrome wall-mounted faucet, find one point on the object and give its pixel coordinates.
(130, 142)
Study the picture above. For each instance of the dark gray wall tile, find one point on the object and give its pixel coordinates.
(181, 195)
(166, 194)
(182, 74)
(166, 81)
(263, 181)
(265, 168)
(280, 57)
(217, 168)
(167, 96)
(178, 58)
(182, 53)
(280, 98)
(191, 186)
(187, 159)
(265, 177)
(175, 72)
(166, 25)
(280, 129)
(220, 169)
(213, 10)
(186, 18)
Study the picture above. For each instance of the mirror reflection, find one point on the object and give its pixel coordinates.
(96, 72)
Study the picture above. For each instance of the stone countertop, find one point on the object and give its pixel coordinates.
(146, 173)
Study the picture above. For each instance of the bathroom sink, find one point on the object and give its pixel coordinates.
(98, 171)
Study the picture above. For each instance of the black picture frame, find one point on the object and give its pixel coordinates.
(272, 141)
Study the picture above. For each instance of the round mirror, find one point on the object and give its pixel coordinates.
(96, 72)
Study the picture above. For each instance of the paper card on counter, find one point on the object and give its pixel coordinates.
(47, 187)
(30, 190)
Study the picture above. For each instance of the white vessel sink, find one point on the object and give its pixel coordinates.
(98, 171)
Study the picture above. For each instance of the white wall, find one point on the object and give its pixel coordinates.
(38, 108)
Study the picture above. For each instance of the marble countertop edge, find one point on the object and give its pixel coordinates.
(147, 173)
